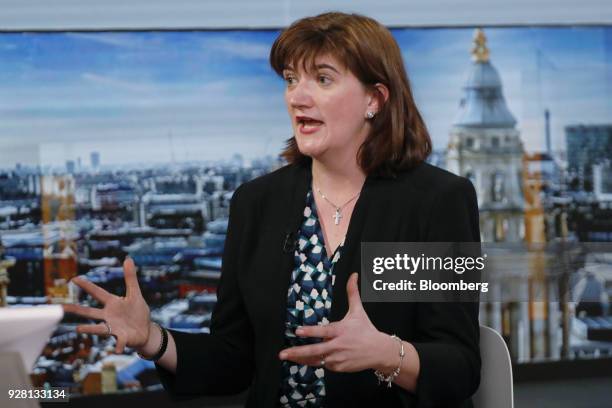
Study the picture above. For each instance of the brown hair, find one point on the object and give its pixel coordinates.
(399, 138)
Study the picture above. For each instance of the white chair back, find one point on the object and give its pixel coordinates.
(496, 387)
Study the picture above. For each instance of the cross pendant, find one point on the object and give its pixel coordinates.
(337, 216)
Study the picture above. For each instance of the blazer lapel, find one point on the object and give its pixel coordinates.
(290, 213)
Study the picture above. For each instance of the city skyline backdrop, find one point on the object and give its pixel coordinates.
(157, 96)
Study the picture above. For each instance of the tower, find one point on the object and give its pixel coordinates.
(485, 147)
(95, 160)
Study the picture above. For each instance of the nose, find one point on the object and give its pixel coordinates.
(300, 95)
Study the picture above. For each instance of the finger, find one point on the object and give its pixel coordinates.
(120, 346)
(94, 290)
(352, 290)
(309, 352)
(99, 329)
(310, 361)
(121, 342)
(326, 331)
(130, 277)
(84, 311)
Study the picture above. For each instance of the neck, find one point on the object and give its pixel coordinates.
(338, 179)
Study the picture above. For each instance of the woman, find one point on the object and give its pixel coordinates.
(284, 325)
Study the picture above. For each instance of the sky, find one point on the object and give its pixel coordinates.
(161, 97)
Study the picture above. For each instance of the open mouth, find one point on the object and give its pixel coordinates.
(307, 124)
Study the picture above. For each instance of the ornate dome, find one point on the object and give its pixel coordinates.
(483, 104)
(483, 75)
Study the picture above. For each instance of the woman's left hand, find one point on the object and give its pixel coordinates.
(352, 344)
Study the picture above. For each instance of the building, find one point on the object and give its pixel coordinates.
(587, 145)
(95, 161)
(4, 276)
(70, 166)
(485, 147)
(41, 263)
(602, 182)
(184, 211)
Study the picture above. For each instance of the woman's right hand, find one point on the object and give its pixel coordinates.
(128, 317)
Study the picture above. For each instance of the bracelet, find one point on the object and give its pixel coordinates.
(162, 346)
(389, 378)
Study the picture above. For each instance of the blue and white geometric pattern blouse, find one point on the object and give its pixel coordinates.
(308, 303)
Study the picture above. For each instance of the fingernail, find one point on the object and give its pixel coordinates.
(283, 355)
(299, 331)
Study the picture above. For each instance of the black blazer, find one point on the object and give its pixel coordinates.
(247, 328)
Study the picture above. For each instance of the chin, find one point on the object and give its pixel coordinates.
(309, 148)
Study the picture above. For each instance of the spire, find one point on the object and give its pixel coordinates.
(480, 52)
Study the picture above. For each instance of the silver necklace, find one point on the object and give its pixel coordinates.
(338, 214)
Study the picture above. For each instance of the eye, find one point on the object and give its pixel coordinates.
(290, 79)
(324, 80)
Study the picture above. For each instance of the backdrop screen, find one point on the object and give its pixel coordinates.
(132, 143)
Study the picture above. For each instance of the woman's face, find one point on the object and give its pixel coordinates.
(328, 108)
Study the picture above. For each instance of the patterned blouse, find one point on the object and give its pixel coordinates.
(308, 303)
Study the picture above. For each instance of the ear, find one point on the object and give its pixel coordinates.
(378, 96)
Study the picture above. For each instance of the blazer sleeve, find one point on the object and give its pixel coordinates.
(448, 333)
(219, 363)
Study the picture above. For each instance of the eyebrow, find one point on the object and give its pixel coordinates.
(321, 66)
(318, 66)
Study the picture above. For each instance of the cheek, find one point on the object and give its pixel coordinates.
(287, 104)
(346, 113)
